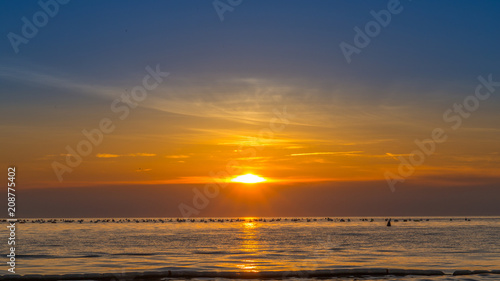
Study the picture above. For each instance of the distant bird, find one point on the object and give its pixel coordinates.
(389, 222)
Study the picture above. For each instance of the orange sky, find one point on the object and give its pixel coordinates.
(175, 97)
(286, 139)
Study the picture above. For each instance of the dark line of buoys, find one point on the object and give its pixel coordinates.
(389, 221)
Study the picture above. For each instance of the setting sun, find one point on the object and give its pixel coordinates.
(248, 178)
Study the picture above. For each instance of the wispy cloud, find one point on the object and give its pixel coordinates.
(52, 156)
(395, 156)
(177, 156)
(143, 170)
(108, 155)
(142, 154)
(328, 153)
(48, 77)
(294, 147)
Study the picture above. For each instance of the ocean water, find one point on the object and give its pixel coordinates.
(252, 244)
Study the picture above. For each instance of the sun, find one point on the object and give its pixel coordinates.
(248, 178)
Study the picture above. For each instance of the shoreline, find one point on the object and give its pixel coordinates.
(189, 274)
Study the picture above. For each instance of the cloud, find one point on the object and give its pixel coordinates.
(53, 156)
(294, 147)
(143, 170)
(142, 154)
(328, 153)
(396, 155)
(253, 158)
(48, 77)
(177, 156)
(108, 155)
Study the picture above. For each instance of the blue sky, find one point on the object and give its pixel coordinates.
(226, 78)
(444, 41)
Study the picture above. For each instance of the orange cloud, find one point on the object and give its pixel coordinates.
(107, 155)
(176, 156)
(327, 153)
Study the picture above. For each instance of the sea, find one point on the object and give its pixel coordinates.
(121, 245)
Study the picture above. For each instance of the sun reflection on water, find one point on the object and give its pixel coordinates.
(248, 266)
(249, 244)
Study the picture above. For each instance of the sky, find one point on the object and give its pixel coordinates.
(158, 104)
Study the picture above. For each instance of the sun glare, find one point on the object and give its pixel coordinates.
(248, 178)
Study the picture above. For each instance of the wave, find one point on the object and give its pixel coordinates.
(90, 255)
(199, 252)
(136, 254)
(38, 256)
(57, 257)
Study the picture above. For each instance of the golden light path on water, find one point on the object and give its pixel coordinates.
(249, 244)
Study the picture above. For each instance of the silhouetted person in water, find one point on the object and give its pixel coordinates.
(389, 222)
